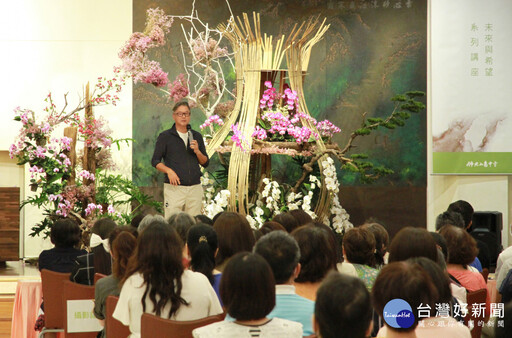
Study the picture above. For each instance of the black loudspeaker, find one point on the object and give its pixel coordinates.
(487, 226)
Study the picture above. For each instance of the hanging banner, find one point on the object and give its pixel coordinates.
(471, 86)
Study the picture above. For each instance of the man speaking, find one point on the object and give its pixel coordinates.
(182, 151)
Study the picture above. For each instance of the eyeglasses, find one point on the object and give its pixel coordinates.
(182, 114)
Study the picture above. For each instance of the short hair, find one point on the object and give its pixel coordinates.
(317, 256)
(289, 222)
(412, 242)
(301, 216)
(179, 104)
(147, 220)
(463, 208)
(449, 218)
(136, 220)
(281, 252)
(103, 227)
(462, 247)
(441, 243)
(381, 240)
(359, 245)
(406, 281)
(234, 234)
(241, 299)
(439, 277)
(270, 226)
(203, 219)
(65, 233)
(343, 307)
(182, 222)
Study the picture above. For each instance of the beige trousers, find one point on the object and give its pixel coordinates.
(179, 198)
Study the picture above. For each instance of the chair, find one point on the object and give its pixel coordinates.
(485, 274)
(75, 291)
(98, 276)
(475, 297)
(51, 283)
(113, 327)
(154, 326)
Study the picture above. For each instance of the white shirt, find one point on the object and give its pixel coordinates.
(184, 137)
(503, 265)
(276, 327)
(196, 290)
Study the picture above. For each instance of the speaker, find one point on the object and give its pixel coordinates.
(486, 227)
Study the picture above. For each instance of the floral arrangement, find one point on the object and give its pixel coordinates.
(63, 187)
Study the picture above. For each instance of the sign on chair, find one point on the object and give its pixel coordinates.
(80, 316)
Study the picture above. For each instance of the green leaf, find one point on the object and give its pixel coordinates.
(362, 131)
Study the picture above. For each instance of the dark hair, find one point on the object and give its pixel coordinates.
(463, 208)
(202, 243)
(334, 239)
(65, 233)
(234, 234)
(449, 218)
(136, 220)
(504, 331)
(286, 219)
(270, 226)
(158, 258)
(412, 242)
(179, 104)
(406, 281)
(359, 245)
(123, 247)
(317, 256)
(441, 243)
(462, 247)
(282, 253)
(381, 241)
(103, 227)
(439, 277)
(182, 223)
(343, 307)
(301, 216)
(241, 299)
(203, 219)
(102, 259)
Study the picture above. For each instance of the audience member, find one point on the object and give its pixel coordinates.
(412, 242)
(157, 283)
(203, 219)
(282, 253)
(234, 234)
(334, 240)
(343, 308)
(65, 235)
(301, 216)
(270, 226)
(202, 246)
(503, 331)
(358, 250)
(317, 258)
(288, 221)
(136, 220)
(122, 245)
(147, 220)
(181, 222)
(381, 242)
(248, 292)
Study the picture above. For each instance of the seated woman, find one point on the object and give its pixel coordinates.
(412, 242)
(317, 258)
(410, 283)
(358, 250)
(343, 308)
(157, 283)
(381, 242)
(122, 243)
(202, 248)
(65, 235)
(249, 295)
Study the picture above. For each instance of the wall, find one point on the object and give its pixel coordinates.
(58, 46)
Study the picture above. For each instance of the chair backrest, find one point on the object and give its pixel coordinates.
(154, 326)
(113, 327)
(75, 291)
(475, 297)
(51, 283)
(485, 274)
(98, 276)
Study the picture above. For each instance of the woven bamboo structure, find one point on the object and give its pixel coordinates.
(256, 53)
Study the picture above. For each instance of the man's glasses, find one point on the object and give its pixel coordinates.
(183, 114)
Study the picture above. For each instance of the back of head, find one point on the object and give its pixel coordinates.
(359, 245)
(202, 244)
(234, 234)
(123, 247)
(461, 246)
(412, 242)
(65, 233)
(406, 281)
(343, 307)
(381, 240)
(289, 222)
(242, 300)
(271, 226)
(301, 216)
(103, 227)
(439, 277)
(463, 208)
(203, 219)
(282, 253)
(182, 223)
(449, 218)
(441, 244)
(317, 256)
(147, 220)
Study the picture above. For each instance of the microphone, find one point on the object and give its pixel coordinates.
(189, 131)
